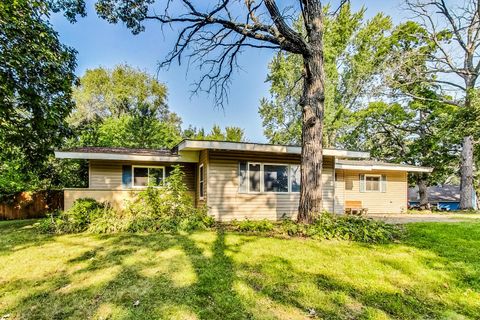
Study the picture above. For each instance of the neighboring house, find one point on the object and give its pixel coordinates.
(446, 197)
(244, 180)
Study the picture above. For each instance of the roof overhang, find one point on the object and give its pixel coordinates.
(180, 157)
(373, 167)
(196, 145)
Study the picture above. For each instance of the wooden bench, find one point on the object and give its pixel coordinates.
(355, 207)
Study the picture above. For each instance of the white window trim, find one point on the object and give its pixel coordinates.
(379, 176)
(262, 178)
(148, 176)
(201, 179)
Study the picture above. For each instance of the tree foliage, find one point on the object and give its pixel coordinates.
(234, 134)
(36, 77)
(355, 51)
(454, 33)
(123, 107)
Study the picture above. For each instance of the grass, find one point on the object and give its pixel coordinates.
(433, 273)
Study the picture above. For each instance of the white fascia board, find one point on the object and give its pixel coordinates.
(236, 146)
(182, 156)
(352, 167)
(346, 153)
(383, 168)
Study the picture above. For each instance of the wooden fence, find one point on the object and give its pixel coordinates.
(27, 205)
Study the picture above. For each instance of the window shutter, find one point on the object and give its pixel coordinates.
(362, 183)
(126, 177)
(383, 183)
(242, 177)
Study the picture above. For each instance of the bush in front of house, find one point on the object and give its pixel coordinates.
(166, 208)
(354, 228)
(325, 226)
(253, 225)
(78, 218)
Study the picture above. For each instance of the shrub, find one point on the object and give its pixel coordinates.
(168, 208)
(355, 228)
(253, 226)
(77, 219)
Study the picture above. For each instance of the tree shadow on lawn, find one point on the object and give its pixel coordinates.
(195, 277)
(210, 294)
(19, 234)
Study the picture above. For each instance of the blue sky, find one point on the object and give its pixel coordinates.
(102, 44)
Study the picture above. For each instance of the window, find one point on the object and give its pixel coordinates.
(260, 177)
(372, 183)
(242, 177)
(254, 177)
(275, 178)
(148, 176)
(201, 181)
(295, 178)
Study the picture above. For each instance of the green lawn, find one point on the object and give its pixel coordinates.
(433, 273)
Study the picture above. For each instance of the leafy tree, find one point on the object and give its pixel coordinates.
(123, 107)
(416, 133)
(234, 134)
(123, 90)
(417, 128)
(137, 132)
(36, 77)
(355, 52)
(212, 38)
(453, 65)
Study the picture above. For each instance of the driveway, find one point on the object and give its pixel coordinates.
(427, 217)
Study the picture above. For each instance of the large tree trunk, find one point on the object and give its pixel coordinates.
(466, 172)
(423, 192)
(312, 118)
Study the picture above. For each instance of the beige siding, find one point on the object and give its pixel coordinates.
(105, 182)
(339, 191)
(105, 175)
(117, 198)
(108, 174)
(226, 203)
(394, 200)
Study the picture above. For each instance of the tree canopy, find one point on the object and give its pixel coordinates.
(36, 78)
(123, 107)
(355, 51)
(234, 134)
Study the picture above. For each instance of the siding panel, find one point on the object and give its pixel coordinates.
(225, 203)
(394, 200)
(107, 175)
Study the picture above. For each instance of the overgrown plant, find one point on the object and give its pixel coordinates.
(165, 208)
(78, 218)
(253, 226)
(354, 228)
(325, 226)
(168, 207)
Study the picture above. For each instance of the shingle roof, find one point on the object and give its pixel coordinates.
(447, 193)
(120, 150)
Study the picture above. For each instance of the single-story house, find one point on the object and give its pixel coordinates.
(444, 197)
(238, 180)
